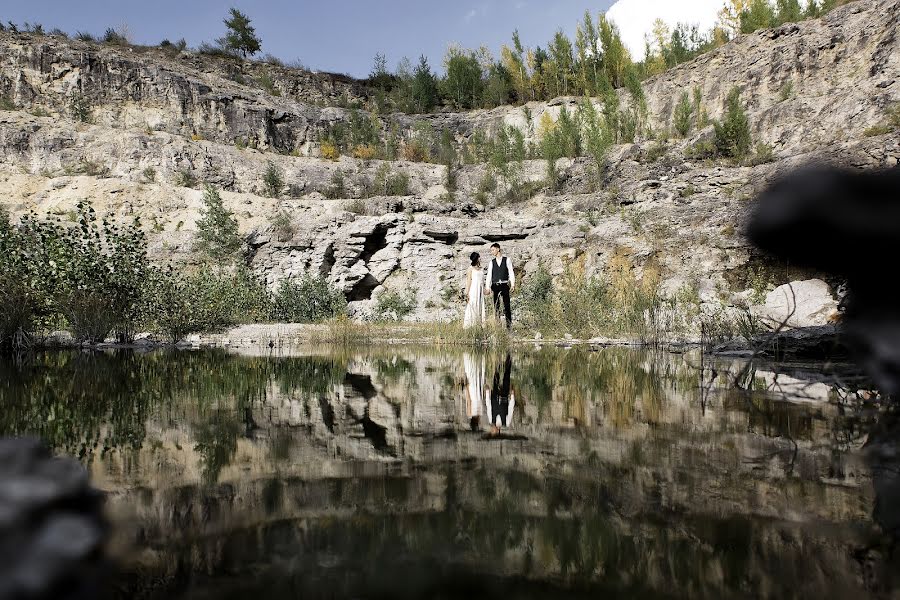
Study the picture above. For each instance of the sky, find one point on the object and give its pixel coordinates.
(343, 36)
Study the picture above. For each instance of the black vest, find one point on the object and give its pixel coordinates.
(499, 272)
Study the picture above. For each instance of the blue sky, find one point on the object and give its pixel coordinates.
(336, 35)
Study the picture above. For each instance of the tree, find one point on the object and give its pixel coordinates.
(217, 229)
(683, 115)
(615, 58)
(424, 86)
(789, 11)
(514, 61)
(380, 77)
(759, 14)
(462, 83)
(564, 63)
(498, 87)
(730, 15)
(587, 42)
(273, 181)
(241, 36)
(732, 134)
(402, 92)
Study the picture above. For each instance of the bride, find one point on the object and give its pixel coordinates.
(474, 293)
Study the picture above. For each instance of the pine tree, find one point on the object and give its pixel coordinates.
(217, 229)
(380, 77)
(732, 134)
(424, 86)
(683, 115)
(241, 36)
(759, 14)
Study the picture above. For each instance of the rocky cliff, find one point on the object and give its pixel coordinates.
(162, 124)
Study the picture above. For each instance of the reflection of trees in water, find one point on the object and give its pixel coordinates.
(82, 403)
(216, 442)
(619, 381)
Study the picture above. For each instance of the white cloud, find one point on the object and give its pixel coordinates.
(478, 11)
(635, 18)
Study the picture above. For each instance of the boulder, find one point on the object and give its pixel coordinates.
(798, 304)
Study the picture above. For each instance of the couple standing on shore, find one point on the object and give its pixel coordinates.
(500, 282)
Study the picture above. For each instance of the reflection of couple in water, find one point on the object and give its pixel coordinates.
(498, 399)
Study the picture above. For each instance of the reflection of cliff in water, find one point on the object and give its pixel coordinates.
(358, 473)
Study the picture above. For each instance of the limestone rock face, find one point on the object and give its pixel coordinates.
(798, 304)
(163, 125)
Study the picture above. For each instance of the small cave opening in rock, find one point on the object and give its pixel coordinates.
(375, 241)
(363, 289)
(327, 261)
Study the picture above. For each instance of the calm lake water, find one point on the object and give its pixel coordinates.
(427, 472)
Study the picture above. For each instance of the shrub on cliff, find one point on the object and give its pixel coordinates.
(307, 300)
(273, 181)
(683, 116)
(732, 133)
(393, 305)
(217, 229)
(241, 37)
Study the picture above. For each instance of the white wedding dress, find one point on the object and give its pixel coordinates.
(474, 316)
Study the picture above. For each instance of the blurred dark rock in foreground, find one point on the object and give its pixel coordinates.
(52, 530)
(848, 224)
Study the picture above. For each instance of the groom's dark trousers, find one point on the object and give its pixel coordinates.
(501, 291)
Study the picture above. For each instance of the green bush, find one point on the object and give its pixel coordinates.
(388, 183)
(732, 134)
(586, 306)
(307, 300)
(273, 181)
(208, 300)
(80, 108)
(22, 304)
(701, 150)
(283, 226)
(89, 276)
(268, 84)
(338, 188)
(684, 113)
(764, 154)
(393, 305)
(217, 229)
(185, 178)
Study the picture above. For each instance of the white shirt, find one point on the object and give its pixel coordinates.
(509, 265)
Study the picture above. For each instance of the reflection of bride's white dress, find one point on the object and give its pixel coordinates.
(474, 366)
(475, 306)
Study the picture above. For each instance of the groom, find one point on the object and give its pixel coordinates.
(502, 279)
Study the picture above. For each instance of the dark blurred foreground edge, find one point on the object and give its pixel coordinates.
(848, 224)
(52, 530)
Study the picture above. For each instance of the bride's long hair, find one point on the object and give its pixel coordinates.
(475, 258)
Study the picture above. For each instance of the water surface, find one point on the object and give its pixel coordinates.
(428, 472)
